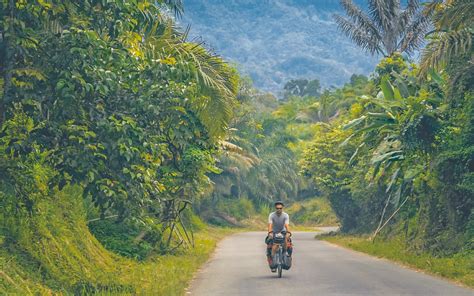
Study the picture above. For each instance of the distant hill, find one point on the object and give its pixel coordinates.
(277, 40)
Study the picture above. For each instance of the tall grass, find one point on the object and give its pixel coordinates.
(53, 252)
(458, 267)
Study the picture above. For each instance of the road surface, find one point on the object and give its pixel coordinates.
(239, 267)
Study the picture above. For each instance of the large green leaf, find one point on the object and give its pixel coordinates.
(387, 88)
(388, 155)
(355, 122)
(393, 180)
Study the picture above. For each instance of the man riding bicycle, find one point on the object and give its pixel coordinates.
(278, 222)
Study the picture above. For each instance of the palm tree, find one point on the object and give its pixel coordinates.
(216, 80)
(387, 27)
(453, 36)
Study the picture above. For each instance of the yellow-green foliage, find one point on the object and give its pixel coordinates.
(15, 279)
(58, 242)
(459, 267)
(240, 208)
(57, 238)
(54, 252)
(312, 212)
(170, 274)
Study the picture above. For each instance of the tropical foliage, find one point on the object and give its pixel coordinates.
(257, 162)
(452, 37)
(399, 159)
(108, 96)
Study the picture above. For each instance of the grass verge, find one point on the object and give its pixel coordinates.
(160, 275)
(171, 274)
(54, 253)
(459, 267)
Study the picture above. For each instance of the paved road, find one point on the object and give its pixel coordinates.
(239, 268)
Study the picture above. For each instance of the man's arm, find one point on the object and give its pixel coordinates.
(287, 224)
(270, 223)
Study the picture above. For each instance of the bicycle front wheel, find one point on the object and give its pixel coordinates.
(280, 261)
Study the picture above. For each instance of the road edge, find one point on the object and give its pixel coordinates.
(400, 264)
(187, 289)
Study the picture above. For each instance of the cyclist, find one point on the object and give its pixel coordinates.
(278, 222)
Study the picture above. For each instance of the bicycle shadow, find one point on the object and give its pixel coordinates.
(271, 276)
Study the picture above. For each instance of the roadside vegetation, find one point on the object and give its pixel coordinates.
(38, 263)
(109, 123)
(312, 212)
(397, 163)
(457, 267)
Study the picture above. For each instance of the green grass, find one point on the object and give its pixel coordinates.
(161, 275)
(54, 253)
(171, 274)
(459, 267)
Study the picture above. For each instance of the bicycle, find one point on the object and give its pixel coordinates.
(278, 258)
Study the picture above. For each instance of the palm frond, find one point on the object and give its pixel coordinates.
(176, 6)
(387, 27)
(238, 155)
(453, 38)
(216, 80)
(456, 14)
(361, 37)
(394, 8)
(431, 7)
(415, 33)
(444, 47)
(360, 18)
(409, 12)
(380, 12)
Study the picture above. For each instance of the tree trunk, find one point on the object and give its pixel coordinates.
(8, 43)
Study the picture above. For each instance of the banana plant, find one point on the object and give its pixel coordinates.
(398, 124)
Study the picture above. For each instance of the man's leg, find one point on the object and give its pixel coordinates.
(269, 253)
(273, 252)
(288, 246)
(269, 242)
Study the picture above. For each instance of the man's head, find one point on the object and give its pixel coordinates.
(279, 207)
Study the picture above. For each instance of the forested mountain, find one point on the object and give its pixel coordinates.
(274, 41)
